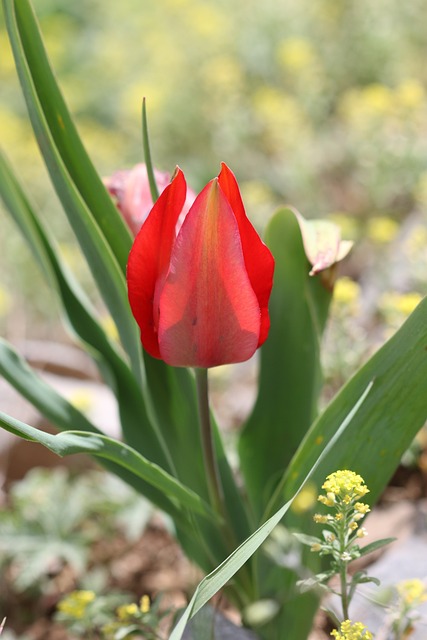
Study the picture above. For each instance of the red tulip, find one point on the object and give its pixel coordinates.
(131, 191)
(200, 297)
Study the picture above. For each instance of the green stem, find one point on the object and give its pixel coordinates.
(213, 478)
(344, 595)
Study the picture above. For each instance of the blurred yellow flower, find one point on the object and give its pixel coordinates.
(365, 107)
(110, 328)
(295, 54)
(402, 303)
(82, 399)
(377, 97)
(208, 21)
(410, 94)
(127, 611)
(382, 229)
(76, 603)
(305, 500)
(346, 291)
(413, 592)
(224, 74)
(5, 302)
(416, 240)
(144, 604)
(278, 110)
(6, 57)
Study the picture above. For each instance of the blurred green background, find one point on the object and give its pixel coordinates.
(321, 104)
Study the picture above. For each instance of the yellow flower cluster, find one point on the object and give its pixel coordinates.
(401, 303)
(344, 486)
(352, 631)
(346, 291)
(363, 107)
(412, 592)
(76, 603)
(128, 611)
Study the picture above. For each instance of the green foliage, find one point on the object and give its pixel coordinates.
(53, 518)
(367, 425)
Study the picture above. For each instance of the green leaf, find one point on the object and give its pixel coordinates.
(27, 42)
(64, 415)
(290, 375)
(131, 408)
(305, 539)
(373, 546)
(385, 426)
(212, 583)
(96, 444)
(53, 128)
(78, 313)
(147, 154)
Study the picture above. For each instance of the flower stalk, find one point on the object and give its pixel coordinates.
(212, 472)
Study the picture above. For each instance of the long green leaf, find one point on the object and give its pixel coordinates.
(386, 424)
(200, 538)
(65, 136)
(97, 444)
(65, 416)
(81, 317)
(210, 585)
(61, 413)
(109, 276)
(290, 375)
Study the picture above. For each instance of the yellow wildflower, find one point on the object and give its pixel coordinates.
(295, 54)
(412, 592)
(402, 303)
(410, 94)
(346, 291)
(320, 519)
(352, 631)
(144, 604)
(127, 611)
(345, 485)
(361, 507)
(305, 500)
(76, 603)
(382, 229)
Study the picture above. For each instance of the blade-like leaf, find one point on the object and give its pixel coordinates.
(96, 444)
(387, 423)
(377, 544)
(210, 585)
(81, 317)
(45, 118)
(64, 134)
(147, 154)
(200, 538)
(132, 410)
(289, 380)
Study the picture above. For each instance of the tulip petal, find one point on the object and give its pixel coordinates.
(258, 259)
(209, 313)
(322, 243)
(149, 260)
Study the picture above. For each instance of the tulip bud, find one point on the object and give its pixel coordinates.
(200, 297)
(131, 192)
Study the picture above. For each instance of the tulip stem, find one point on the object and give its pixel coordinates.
(214, 483)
